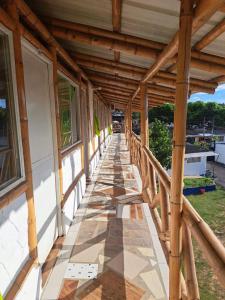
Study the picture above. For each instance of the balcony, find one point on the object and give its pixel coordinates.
(87, 215)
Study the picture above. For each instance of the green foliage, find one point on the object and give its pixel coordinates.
(160, 143)
(110, 130)
(163, 113)
(197, 182)
(96, 125)
(1, 297)
(197, 113)
(203, 145)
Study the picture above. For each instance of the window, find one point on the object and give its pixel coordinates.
(69, 113)
(10, 162)
(193, 160)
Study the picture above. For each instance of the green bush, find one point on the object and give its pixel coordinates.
(197, 182)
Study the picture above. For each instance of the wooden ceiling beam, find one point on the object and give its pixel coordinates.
(34, 22)
(53, 22)
(210, 36)
(84, 57)
(204, 10)
(136, 73)
(116, 21)
(85, 34)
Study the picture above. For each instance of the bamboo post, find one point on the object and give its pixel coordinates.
(182, 88)
(164, 204)
(129, 113)
(58, 129)
(32, 235)
(189, 264)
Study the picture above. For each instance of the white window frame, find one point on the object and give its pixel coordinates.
(15, 183)
(77, 87)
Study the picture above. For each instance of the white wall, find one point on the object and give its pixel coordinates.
(220, 149)
(195, 168)
(71, 167)
(31, 288)
(14, 250)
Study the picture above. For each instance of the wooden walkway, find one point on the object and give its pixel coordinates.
(112, 249)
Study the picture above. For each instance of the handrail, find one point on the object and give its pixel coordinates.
(156, 190)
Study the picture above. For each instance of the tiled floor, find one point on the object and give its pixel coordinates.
(113, 230)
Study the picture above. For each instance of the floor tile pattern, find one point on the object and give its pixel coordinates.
(113, 233)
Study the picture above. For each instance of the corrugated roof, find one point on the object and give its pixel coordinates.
(156, 20)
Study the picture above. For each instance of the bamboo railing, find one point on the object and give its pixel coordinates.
(156, 191)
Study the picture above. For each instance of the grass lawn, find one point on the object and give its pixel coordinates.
(211, 207)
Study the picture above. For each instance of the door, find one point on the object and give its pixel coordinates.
(39, 109)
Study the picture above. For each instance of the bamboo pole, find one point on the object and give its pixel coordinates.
(211, 36)
(189, 264)
(136, 73)
(140, 47)
(58, 126)
(144, 116)
(6, 20)
(79, 57)
(116, 21)
(32, 235)
(184, 51)
(36, 24)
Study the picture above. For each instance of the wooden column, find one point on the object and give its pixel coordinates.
(144, 115)
(32, 235)
(58, 129)
(182, 88)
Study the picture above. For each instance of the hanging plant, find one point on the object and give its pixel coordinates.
(110, 130)
(96, 125)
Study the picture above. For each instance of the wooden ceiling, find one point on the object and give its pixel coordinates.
(118, 61)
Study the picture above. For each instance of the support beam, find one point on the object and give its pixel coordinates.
(136, 46)
(211, 36)
(32, 234)
(203, 12)
(144, 115)
(180, 114)
(136, 73)
(116, 21)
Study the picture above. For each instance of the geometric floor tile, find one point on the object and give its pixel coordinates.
(102, 259)
(68, 290)
(81, 271)
(154, 283)
(88, 255)
(146, 251)
(111, 286)
(127, 264)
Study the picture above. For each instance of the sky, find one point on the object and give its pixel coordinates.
(218, 96)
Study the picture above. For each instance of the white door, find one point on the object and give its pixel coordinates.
(38, 100)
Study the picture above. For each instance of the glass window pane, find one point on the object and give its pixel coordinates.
(9, 154)
(69, 113)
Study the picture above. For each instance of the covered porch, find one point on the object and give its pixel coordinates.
(72, 194)
(112, 249)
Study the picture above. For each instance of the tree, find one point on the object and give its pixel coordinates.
(163, 113)
(160, 142)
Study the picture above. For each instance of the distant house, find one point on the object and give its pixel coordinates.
(220, 150)
(195, 137)
(195, 160)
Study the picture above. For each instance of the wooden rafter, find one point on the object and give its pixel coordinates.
(116, 21)
(147, 49)
(211, 36)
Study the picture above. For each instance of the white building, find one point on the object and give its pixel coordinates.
(195, 163)
(220, 150)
